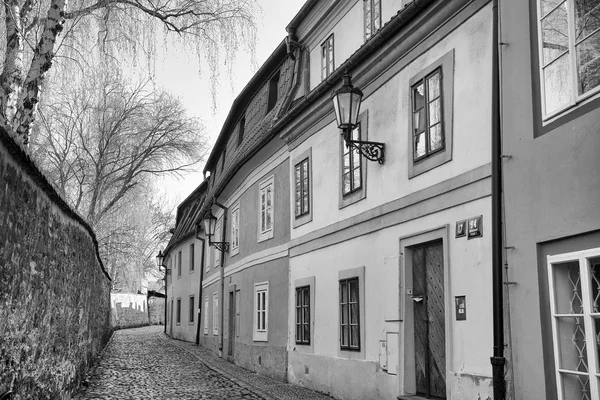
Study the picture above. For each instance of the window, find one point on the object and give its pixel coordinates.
(303, 315)
(301, 177)
(179, 264)
(349, 315)
(237, 313)
(327, 65)
(261, 312)
(428, 128)
(430, 121)
(372, 13)
(218, 238)
(235, 230)
(265, 201)
(215, 313)
(191, 319)
(273, 91)
(192, 257)
(241, 128)
(352, 160)
(569, 52)
(206, 315)
(178, 311)
(574, 281)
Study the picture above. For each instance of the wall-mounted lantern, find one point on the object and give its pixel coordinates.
(209, 224)
(346, 103)
(159, 263)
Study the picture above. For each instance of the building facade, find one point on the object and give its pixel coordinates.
(184, 259)
(551, 136)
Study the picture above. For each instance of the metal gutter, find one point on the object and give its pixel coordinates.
(498, 361)
(300, 15)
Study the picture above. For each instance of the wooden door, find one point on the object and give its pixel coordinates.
(231, 324)
(429, 320)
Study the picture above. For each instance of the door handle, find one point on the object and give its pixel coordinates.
(417, 299)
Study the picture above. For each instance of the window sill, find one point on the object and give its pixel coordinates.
(582, 101)
(265, 236)
(352, 197)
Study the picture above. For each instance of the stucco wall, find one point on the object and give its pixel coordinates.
(551, 185)
(54, 293)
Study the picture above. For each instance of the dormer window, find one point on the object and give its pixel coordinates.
(273, 91)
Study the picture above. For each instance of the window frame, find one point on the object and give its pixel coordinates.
(260, 334)
(192, 258)
(218, 237)
(273, 91)
(347, 282)
(179, 264)
(206, 315)
(235, 230)
(303, 175)
(215, 322)
(423, 164)
(581, 257)
(305, 320)
(426, 101)
(178, 311)
(191, 316)
(359, 193)
(371, 4)
(574, 98)
(327, 58)
(263, 186)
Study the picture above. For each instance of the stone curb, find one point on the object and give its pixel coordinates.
(212, 366)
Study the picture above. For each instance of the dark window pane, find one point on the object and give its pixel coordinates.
(306, 332)
(587, 17)
(354, 336)
(419, 121)
(418, 97)
(419, 141)
(345, 333)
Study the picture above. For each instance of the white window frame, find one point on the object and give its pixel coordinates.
(215, 327)
(261, 315)
(575, 98)
(217, 238)
(206, 315)
(235, 230)
(374, 23)
(327, 57)
(593, 373)
(267, 233)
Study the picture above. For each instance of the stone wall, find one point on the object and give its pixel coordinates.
(128, 310)
(54, 291)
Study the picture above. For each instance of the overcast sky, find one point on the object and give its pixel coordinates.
(179, 74)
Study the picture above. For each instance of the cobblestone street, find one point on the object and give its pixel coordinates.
(143, 363)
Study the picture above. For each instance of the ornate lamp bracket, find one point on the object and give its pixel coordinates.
(221, 246)
(374, 151)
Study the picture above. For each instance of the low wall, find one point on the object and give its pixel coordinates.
(54, 291)
(128, 310)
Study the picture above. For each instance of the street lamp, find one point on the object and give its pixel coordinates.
(159, 262)
(346, 103)
(209, 223)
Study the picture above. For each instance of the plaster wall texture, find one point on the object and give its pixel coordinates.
(54, 295)
(128, 310)
(468, 343)
(551, 185)
(272, 353)
(182, 287)
(388, 109)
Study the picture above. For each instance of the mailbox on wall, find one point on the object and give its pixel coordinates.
(461, 308)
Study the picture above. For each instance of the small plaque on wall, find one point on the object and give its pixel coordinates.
(461, 308)
(461, 228)
(475, 227)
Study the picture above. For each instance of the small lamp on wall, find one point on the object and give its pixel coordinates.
(346, 103)
(159, 262)
(209, 224)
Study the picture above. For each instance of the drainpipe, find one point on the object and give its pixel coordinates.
(200, 300)
(166, 298)
(498, 360)
(222, 261)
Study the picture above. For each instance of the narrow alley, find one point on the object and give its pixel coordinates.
(143, 363)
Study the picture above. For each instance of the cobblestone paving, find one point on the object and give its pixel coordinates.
(143, 363)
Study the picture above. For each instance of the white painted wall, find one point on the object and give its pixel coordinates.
(389, 112)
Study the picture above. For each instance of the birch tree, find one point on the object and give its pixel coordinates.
(36, 31)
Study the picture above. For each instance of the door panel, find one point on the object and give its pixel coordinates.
(232, 304)
(429, 320)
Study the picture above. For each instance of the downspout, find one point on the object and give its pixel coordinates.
(200, 300)
(498, 361)
(222, 261)
(166, 298)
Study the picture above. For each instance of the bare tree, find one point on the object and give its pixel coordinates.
(101, 142)
(30, 40)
